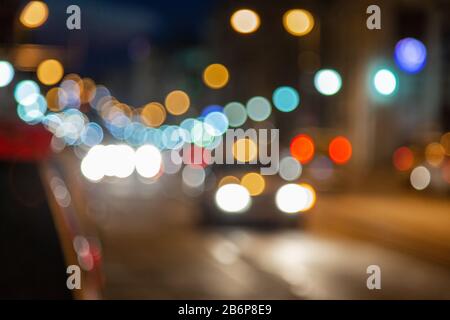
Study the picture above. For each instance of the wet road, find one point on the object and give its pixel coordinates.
(242, 264)
(152, 247)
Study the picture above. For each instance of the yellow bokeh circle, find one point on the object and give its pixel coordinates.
(216, 76)
(435, 154)
(50, 72)
(54, 97)
(177, 102)
(298, 22)
(228, 180)
(34, 14)
(245, 150)
(153, 114)
(254, 183)
(89, 89)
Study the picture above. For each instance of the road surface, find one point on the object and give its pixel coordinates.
(153, 248)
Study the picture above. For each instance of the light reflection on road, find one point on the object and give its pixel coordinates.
(153, 248)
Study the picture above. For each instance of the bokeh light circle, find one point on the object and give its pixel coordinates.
(55, 99)
(189, 125)
(298, 22)
(340, 150)
(286, 99)
(92, 134)
(302, 148)
(6, 73)
(420, 178)
(89, 90)
(434, 154)
(403, 159)
(177, 102)
(173, 137)
(34, 14)
(33, 113)
(328, 82)
(148, 161)
(92, 165)
(216, 123)
(311, 193)
(254, 183)
(50, 72)
(26, 92)
(153, 114)
(124, 161)
(290, 168)
(200, 134)
(245, 150)
(236, 114)
(216, 76)
(385, 82)
(259, 109)
(193, 176)
(245, 21)
(321, 168)
(153, 137)
(410, 55)
(229, 180)
(233, 198)
(101, 95)
(292, 198)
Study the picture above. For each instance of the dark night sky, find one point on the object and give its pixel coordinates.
(109, 26)
(164, 21)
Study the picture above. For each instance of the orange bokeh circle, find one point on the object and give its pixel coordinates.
(302, 148)
(340, 150)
